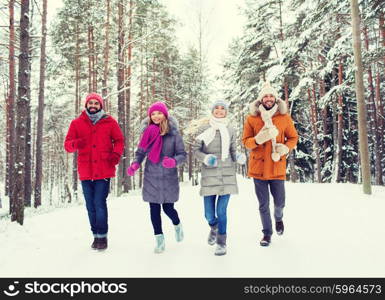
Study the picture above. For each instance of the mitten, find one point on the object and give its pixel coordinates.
(282, 149)
(266, 134)
(132, 169)
(240, 158)
(114, 158)
(210, 160)
(79, 143)
(168, 162)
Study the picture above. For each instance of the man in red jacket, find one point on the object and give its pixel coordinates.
(99, 141)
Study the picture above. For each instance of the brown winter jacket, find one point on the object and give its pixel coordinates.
(261, 166)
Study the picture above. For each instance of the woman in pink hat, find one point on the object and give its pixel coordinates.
(164, 148)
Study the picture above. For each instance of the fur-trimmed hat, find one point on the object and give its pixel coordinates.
(266, 90)
(159, 106)
(94, 96)
(220, 102)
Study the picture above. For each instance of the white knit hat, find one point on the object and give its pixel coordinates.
(266, 90)
(220, 102)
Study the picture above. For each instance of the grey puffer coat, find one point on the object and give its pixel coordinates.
(161, 185)
(219, 180)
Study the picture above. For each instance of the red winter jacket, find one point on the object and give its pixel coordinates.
(100, 140)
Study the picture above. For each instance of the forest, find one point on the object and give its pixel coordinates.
(127, 51)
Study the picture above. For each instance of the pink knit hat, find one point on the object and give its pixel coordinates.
(159, 106)
(94, 96)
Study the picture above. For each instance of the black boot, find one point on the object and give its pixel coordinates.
(279, 228)
(266, 240)
(94, 245)
(102, 245)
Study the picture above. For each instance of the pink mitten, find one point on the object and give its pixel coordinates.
(132, 169)
(168, 162)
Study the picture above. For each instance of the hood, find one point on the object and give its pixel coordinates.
(254, 107)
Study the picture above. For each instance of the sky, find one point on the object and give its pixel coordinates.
(221, 20)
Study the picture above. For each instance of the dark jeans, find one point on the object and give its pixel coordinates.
(221, 209)
(95, 193)
(277, 189)
(156, 220)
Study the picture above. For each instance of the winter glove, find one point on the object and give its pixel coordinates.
(132, 169)
(114, 158)
(210, 160)
(79, 143)
(282, 149)
(266, 134)
(240, 158)
(168, 162)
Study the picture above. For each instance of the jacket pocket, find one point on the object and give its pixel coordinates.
(256, 164)
(83, 157)
(279, 168)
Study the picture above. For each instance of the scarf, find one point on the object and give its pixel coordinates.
(96, 117)
(151, 138)
(209, 134)
(266, 116)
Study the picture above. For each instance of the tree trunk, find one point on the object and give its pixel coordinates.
(373, 127)
(361, 109)
(106, 57)
(11, 104)
(340, 131)
(40, 116)
(21, 108)
(313, 115)
(120, 75)
(126, 162)
(380, 125)
(77, 109)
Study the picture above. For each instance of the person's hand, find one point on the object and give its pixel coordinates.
(210, 160)
(168, 162)
(132, 169)
(266, 134)
(79, 143)
(282, 149)
(240, 158)
(114, 158)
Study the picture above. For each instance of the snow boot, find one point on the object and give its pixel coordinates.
(265, 241)
(179, 232)
(160, 245)
(279, 228)
(221, 244)
(102, 244)
(213, 234)
(95, 243)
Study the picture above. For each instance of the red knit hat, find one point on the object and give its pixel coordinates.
(94, 96)
(159, 106)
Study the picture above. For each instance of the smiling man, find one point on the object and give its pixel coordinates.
(269, 134)
(99, 141)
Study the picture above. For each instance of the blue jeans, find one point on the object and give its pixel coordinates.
(221, 218)
(95, 193)
(277, 189)
(156, 219)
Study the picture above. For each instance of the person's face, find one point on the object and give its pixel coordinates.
(157, 116)
(219, 112)
(268, 100)
(93, 106)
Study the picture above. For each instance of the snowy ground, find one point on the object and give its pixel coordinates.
(332, 230)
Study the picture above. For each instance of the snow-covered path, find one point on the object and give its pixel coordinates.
(332, 230)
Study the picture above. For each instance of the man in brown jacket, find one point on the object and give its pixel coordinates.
(270, 134)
